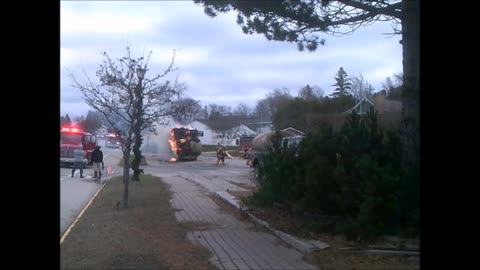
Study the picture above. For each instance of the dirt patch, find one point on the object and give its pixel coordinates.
(251, 188)
(240, 195)
(279, 219)
(331, 258)
(144, 236)
(334, 259)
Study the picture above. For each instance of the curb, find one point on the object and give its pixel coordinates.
(67, 231)
(382, 252)
(103, 183)
(302, 245)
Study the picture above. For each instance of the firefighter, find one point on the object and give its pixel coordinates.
(97, 160)
(78, 155)
(221, 154)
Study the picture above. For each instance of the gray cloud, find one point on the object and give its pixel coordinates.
(216, 60)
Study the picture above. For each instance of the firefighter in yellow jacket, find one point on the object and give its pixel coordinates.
(221, 153)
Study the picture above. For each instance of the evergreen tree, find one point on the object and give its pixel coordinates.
(342, 84)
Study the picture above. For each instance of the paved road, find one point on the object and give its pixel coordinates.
(76, 192)
(235, 244)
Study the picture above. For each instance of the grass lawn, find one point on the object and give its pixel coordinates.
(144, 236)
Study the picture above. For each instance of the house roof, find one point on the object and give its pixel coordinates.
(203, 121)
(247, 130)
(224, 123)
(293, 131)
(388, 105)
(363, 100)
(255, 125)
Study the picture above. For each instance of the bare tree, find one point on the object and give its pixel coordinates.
(262, 112)
(91, 123)
(187, 110)
(266, 108)
(221, 109)
(311, 92)
(318, 91)
(226, 127)
(129, 101)
(242, 110)
(393, 88)
(361, 88)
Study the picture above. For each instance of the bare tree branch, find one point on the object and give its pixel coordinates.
(126, 104)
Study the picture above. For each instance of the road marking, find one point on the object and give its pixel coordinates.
(81, 213)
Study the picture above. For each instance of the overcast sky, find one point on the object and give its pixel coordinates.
(218, 63)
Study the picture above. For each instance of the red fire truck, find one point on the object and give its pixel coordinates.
(112, 141)
(244, 143)
(70, 138)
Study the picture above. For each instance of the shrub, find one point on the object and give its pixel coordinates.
(355, 175)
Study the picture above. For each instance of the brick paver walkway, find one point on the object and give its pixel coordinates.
(234, 244)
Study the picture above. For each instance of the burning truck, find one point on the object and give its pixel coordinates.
(185, 144)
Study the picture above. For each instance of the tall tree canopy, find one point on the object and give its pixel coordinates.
(300, 21)
(130, 101)
(342, 83)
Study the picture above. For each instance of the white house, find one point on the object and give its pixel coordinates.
(294, 132)
(158, 143)
(260, 127)
(211, 137)
(379, 103)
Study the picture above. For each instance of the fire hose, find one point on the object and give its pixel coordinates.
(239, 157)
(230, 156)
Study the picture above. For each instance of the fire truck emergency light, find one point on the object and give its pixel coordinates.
(76, 130)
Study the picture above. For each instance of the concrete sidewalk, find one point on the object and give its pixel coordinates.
(234, 244)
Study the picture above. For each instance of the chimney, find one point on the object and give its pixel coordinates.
(379, 102)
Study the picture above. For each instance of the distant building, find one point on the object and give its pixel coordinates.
(293, 131)
(260, 126)
(228, 136)
(379, 103)
(389, 111)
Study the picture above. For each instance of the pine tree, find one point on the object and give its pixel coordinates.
(342, 83)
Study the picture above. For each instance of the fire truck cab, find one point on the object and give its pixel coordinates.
(70, 138)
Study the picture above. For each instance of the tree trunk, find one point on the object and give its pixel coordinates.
(411, 77)
(137, 129)
(126, 176)
(137, 158)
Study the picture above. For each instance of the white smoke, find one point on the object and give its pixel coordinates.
(158, 143)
